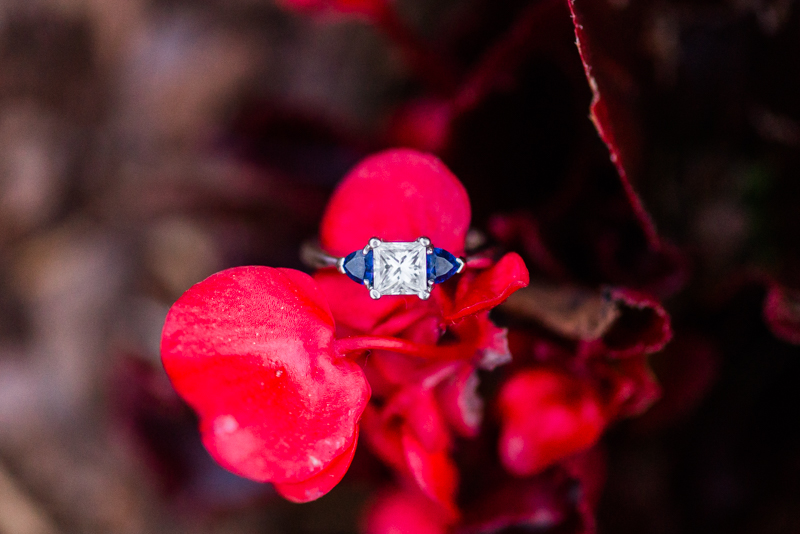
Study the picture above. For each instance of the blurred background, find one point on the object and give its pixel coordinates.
(145, 144)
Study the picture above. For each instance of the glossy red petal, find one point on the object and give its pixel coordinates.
(321, 483)
(546, 416)
(383, 437)
(250, 349)
(434, 472)
(397, 195)
(356, 312)
(425, 420)
(460, 403)
(489, 288)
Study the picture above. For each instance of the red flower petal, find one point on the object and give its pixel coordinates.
(460, 403)
(250, 349)
(546, 416)
(536, 504)
(397, 195)
(424, 419)
(356, 312)
(321, 483)
(434, 472)
(634, 387)
(480, 341)
(404, 512)
(489, 288)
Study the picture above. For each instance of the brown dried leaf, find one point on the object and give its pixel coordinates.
(571, 311)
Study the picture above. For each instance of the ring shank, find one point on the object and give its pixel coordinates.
(312, 255)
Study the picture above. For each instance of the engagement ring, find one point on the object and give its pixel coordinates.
(392, 267)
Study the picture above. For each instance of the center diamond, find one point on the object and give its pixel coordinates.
(400, 268)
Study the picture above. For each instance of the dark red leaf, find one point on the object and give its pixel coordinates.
(643, 326)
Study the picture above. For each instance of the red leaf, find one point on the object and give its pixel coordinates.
(613, 92)
(643, 326)
(250, 349)
(397, 195)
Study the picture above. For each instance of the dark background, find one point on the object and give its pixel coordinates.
(147, 144)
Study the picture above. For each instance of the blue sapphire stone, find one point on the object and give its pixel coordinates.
(358, 266)
(441, 265)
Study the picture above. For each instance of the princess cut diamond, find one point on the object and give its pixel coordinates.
(400, 268)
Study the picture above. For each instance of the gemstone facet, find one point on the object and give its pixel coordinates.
(400, 268)
(358, 266)
(443, 265)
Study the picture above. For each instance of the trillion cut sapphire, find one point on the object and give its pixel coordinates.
(358, 266)
(400, 267)
(442, 265)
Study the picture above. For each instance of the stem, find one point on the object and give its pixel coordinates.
(347, 345)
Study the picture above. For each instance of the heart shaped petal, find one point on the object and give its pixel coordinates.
(397, 195)
(251, 350)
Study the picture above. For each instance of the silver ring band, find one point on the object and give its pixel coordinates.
(390, 267)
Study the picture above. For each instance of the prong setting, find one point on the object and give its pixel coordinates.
(400, 267)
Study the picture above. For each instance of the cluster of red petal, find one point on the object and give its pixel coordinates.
(562, 393)
(254, 350)
(424, 401)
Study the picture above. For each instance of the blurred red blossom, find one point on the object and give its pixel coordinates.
(287, 399)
